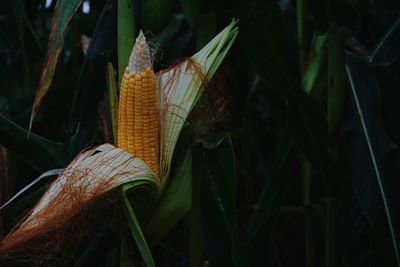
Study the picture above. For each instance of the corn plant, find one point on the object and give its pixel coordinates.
(199, 133)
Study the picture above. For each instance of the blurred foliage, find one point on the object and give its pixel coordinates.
(295, 157)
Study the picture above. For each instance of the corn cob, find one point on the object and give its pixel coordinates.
(138, 113)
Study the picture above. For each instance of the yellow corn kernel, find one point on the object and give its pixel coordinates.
(138, 112)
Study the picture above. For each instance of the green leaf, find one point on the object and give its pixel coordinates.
(169, 33)
(303, 29)
(315, 69)
(47, 174)
(19, 12)
(196, 242)
(307, 125)
(33, 32)
(375, 141)
(263, 36)
(343, 13)
(202, 20)
(92, 81)
(41, 153)
(387, 49)
(191, 10)
(135, 227)
(174, 203)
(336, 76)
(63, 13)
(127, 257)
(274, 191)
(167, 53)
(264, 41)
(212, 140)
(218, 202)
(156, 13)
(126, 34)
(102, 250)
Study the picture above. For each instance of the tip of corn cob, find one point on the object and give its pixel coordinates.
(141, 57)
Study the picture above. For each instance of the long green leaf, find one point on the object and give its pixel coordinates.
(316, 68)
(156, 13)
(40, 152)
(41, 177)
(336, 90)
(336, 77)
(202, 18)
(262, 30)
(387, 49)
(263, 37)
(308, 127)
(303, 30)
(63, 13)
(92, 81)
(175, 202)
(273, 192)
(218, 203)
(34, 33)
(196, 242)
(356, 69)
(19, 11)
(135, 227)
(127, 258)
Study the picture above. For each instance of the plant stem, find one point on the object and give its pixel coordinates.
(330, 238)
(336, 89)
(126, 34)
(302, 31)
(309, 254)
(336, 74)
(303, 36)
